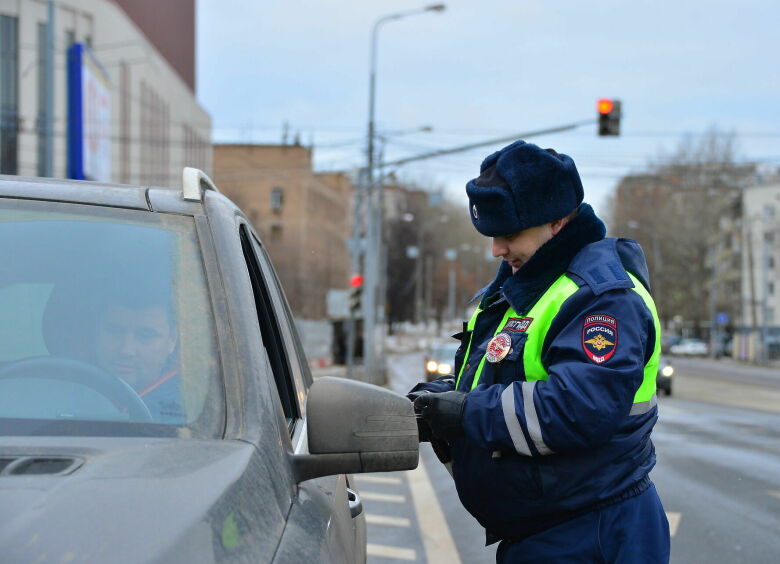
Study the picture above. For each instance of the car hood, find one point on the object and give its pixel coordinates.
(127, 499)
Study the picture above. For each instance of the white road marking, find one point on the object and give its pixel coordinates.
(392, 498)
(436, 536)
(369, 479)
(674, 522)
(385, 551)
(387, 520)
(774, 493)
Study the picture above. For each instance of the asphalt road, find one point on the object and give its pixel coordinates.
(718, 473)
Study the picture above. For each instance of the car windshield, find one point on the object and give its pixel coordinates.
(107, 327)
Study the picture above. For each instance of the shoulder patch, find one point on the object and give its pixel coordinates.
(599, 337)
(517, 324)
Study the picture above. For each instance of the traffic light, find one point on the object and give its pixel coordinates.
(609, 117)
(355, 293)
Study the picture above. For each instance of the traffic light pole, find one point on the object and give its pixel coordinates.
(368, 190)
(356, 250)
(461, 148)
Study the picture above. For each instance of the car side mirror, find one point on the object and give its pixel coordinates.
(355, 427)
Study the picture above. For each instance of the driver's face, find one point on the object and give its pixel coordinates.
(134, 343)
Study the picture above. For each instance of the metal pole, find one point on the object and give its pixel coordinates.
(382, 270)
(462, 148)
(48, 118)
(714, 302)
(370, 284)
(428, 296)
(765, 304)
(373, 230)
(355, 251)
(418, 276)
(451, 296)
(749, 240)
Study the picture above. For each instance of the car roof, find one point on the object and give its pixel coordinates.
(147, 198)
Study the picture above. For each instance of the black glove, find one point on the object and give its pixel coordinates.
(442, 450)
(423, 429)
(443, 412)
(412, 396)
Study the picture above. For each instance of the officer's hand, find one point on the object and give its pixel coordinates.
(424, 430)
(442, 450)
(443, 412)
(412, 396)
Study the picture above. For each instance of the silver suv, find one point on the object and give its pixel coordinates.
(155, 401)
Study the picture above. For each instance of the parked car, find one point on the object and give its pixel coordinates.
(665, 376)
(690, 347)
(155, 401)
(440, 360)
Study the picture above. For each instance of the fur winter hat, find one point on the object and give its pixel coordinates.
(522, 186)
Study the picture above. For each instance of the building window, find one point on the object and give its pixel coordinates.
(770, 262)
(155, 138)
(771, 288)
(195, 148)
(277, 199)
(9, 94)
(124, 122)
(276, 232)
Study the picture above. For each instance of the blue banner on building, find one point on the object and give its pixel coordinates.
(89, 117)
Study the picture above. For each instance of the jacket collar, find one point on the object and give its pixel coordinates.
(524, 288)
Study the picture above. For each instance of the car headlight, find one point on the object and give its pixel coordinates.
(432, 366)
(444, 368)
(667, 371)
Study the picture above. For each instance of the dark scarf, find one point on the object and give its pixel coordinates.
(552, 259)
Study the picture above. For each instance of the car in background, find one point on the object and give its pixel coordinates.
(664, 379)
(156, 404)
(690, 347)
(440, 360)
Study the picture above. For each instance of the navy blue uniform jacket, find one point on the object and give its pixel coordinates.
(585, 450)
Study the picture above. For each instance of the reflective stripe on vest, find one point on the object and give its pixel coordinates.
(543, 313)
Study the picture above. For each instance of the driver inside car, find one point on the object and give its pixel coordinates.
(136, 340)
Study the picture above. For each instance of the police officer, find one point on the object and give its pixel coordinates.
(549, 412)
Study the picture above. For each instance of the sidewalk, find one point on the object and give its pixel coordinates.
(726, 364)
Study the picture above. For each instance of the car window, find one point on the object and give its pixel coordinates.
(271, 332)
(106, 325)
(298, 362)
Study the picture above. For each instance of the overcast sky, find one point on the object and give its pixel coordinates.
(491, 68)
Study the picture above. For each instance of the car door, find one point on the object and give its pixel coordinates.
(325, 522)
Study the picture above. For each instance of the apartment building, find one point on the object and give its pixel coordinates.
(303, 217)
(759, 324)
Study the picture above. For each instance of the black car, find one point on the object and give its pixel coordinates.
(665, 376)
(155, 402)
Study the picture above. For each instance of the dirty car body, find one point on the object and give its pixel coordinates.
(155, 402)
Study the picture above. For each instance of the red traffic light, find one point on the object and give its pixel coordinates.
(356, 281)
(605, 106)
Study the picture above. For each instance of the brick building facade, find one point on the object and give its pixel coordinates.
(303, 217)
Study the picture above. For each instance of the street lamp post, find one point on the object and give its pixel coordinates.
(374, 211)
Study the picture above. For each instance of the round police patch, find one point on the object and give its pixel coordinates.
(498, 347)
(599, 337)
(474, 211)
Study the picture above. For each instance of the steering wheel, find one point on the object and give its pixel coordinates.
(109, 386)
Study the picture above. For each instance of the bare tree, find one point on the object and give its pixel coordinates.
(676, 211)
(419, 284)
